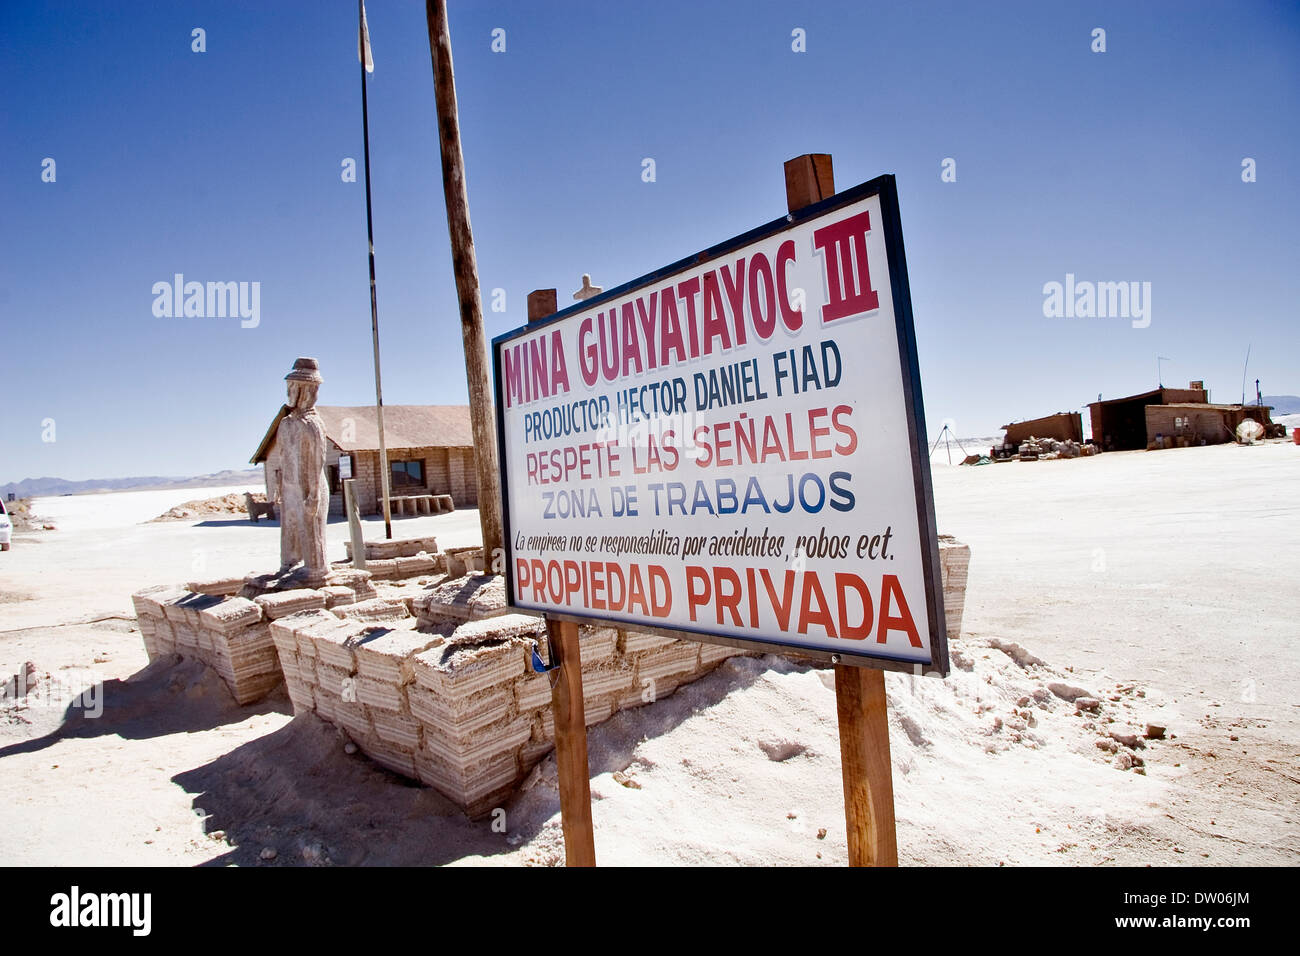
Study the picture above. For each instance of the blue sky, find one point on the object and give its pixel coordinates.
(225, 166)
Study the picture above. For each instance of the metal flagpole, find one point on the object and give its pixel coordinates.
(363, 50)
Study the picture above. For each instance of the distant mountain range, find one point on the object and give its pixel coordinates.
(1283, 404)
(42, 487)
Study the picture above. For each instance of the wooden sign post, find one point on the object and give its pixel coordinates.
(354, 524)
(465, 266)
(859, 691)
(567, 704)
(650, 574)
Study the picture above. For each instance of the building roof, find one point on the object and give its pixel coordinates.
(1041, 418)
(1204, 405)
(355, 428)
(1154, 397)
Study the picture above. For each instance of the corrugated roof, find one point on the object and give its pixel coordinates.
(355, 428)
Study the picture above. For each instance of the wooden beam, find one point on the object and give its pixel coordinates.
(868, 775)
(808, 179)
(859, 691)
(571, 744)
(567, 705)
(541, 303)
(465, 267)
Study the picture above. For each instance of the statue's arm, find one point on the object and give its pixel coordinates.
(315, 451)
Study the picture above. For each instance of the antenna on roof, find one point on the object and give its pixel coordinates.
(1243, 375)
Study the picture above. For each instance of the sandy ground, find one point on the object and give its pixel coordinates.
(1162, 583)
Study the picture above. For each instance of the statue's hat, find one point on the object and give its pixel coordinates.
(305, 370)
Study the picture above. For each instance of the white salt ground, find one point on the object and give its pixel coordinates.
(1163, 583)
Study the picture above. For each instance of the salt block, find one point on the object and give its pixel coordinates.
(379, 694)
(397, 729)
(711, 654)
(283, 603)
(413, 565)
(373, 611)
(151, 600)
(597, 644)
(634, 642)
(465, 598)
(601, 682)
(188, 607)
(308, 626)
(494, 739)
(300, 695)
(229, 615)
(219, 587)
(469, 784)
(353, 717)
(326, 704)
(459, 719)
(387, 654)
(954, 564)
(335, 646)
(533, 751)
(282, 635)
(675, 661)
(457, 671)
(334, 681)
(598, 713)
(391, 757)
(532, 692)
(336, 594)
(355, 578)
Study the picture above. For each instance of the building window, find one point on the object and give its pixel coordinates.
(408, 474)
(333, 472)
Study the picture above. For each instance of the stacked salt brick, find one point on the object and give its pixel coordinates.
(447, 697)
(954, 561)
(354, 674)
(396, 548)
(457, 705)
(229, 634)
(405, 567)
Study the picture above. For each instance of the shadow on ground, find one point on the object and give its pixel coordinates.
(297, 792)
(229, 522)
(171, 696)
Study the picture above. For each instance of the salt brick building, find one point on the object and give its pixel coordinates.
(1063, 426)
(430, 451)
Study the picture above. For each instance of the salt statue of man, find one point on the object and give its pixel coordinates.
(304, 488)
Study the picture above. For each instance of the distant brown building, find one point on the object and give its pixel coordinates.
(1213, 424)
(1120, 424)
(430, 451)
(1063, 426)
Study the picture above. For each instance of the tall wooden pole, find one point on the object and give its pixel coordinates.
(859, 691)
(370, 239)
(465, 266)
(567, 706)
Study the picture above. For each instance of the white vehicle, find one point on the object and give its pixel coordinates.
(6, 528)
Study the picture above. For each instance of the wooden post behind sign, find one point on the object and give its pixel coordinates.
(859, 691)
(465, 267)
(354, 524)
(567, 704)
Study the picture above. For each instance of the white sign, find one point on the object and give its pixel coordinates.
(345, 467)
(734, 446)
